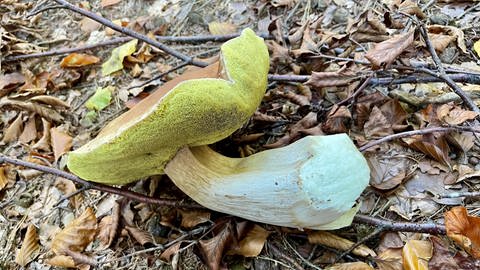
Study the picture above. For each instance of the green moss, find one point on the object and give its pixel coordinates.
(194, 112)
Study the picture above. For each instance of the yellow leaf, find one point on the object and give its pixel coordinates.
(115, 62)
(76, 235)
(464, 229)
(416, 254)
(29, 246)
(334, 241)
(476, 47)
(350, 266)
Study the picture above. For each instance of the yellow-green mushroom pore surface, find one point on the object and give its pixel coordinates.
(194, 112)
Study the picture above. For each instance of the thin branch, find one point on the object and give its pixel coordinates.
(390, 225)
(443, 75)
(461, 194)
(417, 132)
(131, 33)
(97, 186)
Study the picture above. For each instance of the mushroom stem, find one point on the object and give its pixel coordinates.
(312, 183)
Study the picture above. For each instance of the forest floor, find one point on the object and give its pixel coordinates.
(401, 78)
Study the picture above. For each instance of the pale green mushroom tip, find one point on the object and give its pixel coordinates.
(336, 176)
(194, 112)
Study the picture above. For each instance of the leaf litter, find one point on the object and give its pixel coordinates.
(42, 118)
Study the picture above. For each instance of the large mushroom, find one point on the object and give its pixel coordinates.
(312, 183)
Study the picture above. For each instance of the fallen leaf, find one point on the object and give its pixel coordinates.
(106, 3)
(416, 254)
(78, 60)
(67, 187)
(29, 132)
(252, 244)
(3, 178)
(387, 172)
(115, 62)
(144, 238)
(221, 28)
(76, 235)
(191, 218)
(61, 261)
(377, 125)
(441, 257)
(338, 120)
(29, 247)
(170, 251)
(390, 259)
(44, 142)
(14, 130)
(61, 142)
(101, 98)
(452, 31)
(107, 228)
(434, 146)
(50, 100)
(331, 240)
(411, 8)
(41, 110)
(341, 77)
(212, 250)
(384, 53)
(10, 81)
(350, 266)
(88, 25)
(458, 116)
(463, 229)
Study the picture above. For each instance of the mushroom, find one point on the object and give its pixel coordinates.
(312, 183)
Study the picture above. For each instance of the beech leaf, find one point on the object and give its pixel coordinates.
(29, 247)
(115, 62)
(78, 60)
(464, 229)
(101, 99)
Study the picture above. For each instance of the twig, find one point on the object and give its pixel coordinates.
(417, 132)
(358, 243)
(461, 194)
(357, 92)
(281, 254)
(131, 33)
(97, 186)
(442, 74)
(390, 225)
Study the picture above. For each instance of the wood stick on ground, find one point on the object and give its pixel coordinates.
(131, 33)
(390, 225)
(442, 74)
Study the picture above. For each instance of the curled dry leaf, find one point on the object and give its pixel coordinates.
(387, 51)
(170, 251)
(142, 237)
(441, 257)
(191, 218)
(387, 172)
(416, 254)
(454, 32)
(29, 132)
(61, 142)
(61, 261)
(338, 120)
(76, 235)
(434, 146)
(8, 82)
(295, 132)
(221, 28)
(458, 116)
(341, 77)
(464, 229)
(3, 178)
(411, 8)
(390, 259)
(67, 187)
(350, 266)
(50, 100)
(252, 244)
(29, 246)
(212, 250)
(43, 111)
(44, 142)
(377, 125)
(266, 118)
(337, 242)
(78, 60)
(14, 130)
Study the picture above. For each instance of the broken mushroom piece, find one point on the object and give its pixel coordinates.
(312, 183)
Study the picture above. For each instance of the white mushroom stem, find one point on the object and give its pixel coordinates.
(312, 183)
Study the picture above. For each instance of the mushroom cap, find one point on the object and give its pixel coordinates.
(187, 111)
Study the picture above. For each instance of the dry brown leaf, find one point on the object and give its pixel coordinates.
(434, 146)
(341, 77)
(411, 8)
(463, 141)
(440, 41)
(441, 257)
(390, 259)
(50, 100)
(212, 250)
(416, 254)
(67, 187)
(3, 178)
(464, 229)
(142, 237)
(29, 132)
(43, 111)
(252, 244)
(44, 142)
(384, 53)
(337, 242)
(454, 32)
(295, 132)
(106, 3)
(387, 172)
(76, 235)
(29, 246)
(8, 82)
(61, 261)
(191, 218)
(171, 251)
(78, 60)
(350, 266)
(61, 142)
(14, 130)
(458, 116)
(88, 25)
(377, 125)
(221, 28)
(338, 120)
